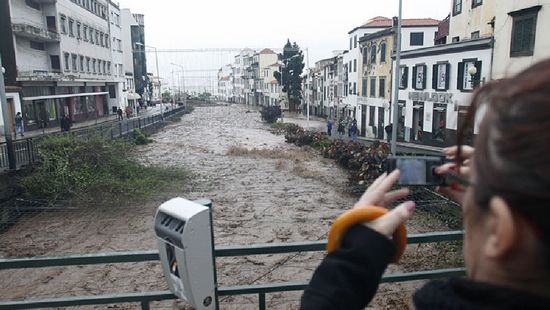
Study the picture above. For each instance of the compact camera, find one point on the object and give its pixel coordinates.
(417, 170)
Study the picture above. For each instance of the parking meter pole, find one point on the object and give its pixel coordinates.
(208, 203)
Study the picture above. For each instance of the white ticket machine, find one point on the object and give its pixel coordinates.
(184, 240)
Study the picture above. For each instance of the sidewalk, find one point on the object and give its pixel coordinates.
(89, 123)
(319, 124)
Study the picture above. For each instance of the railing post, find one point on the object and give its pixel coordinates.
(10, 150)
(120, 130)
(145, 305)
(139, 123)
(29, 151)
(261, 301)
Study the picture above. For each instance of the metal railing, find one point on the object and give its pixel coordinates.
(26, 150)
(145, 298)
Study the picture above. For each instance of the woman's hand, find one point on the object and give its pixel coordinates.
(378, 194)
(454, 190)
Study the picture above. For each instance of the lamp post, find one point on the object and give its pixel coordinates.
(182, 79)
(158, 72)
(396, 82)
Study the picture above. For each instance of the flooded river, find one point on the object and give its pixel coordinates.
(263, 191)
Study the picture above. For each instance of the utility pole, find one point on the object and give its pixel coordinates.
(6, 117)
(396, 84)
(307, 101)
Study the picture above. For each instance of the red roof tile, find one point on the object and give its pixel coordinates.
(382, 22)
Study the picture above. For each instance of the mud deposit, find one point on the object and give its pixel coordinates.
(263, 191)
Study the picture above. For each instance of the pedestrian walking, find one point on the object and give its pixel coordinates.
(353, 131)
(19, 124)
(388, 129)
(341, 129)
(119, 114)
(66, 123)
(329, 127)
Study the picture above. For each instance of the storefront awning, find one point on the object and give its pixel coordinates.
(63, 96)
(133, 96)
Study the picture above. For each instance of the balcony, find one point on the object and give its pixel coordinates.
(35, 33)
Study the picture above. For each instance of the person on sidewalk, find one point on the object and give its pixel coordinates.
(341, 129)
(65, 123)
(19, 124)
(329, 127)
(119, 114)
(388, 129)
(354, 130)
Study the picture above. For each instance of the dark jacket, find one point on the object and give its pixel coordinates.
(348, 279)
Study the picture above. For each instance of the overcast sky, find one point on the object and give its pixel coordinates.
(320, 26)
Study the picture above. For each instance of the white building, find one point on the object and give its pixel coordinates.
(58, 54)
(225, 83)
(129, 96)
(241, 65)
(117, 95)
(416, 33)
(266, 58)
(521, 39)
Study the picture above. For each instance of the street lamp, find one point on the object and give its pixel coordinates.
(396, 82)
(183, 78)
(158, 74)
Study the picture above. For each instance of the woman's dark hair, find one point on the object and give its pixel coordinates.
(512, 149)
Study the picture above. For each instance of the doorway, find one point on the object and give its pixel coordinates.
(418, 121)
(380, 123)
(363, 120)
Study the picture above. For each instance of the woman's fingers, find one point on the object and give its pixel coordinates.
(451, 152)
(374, 195)
(393, 196)
(388, 223)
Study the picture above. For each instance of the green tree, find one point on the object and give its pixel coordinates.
(166, 97)
(290, 77)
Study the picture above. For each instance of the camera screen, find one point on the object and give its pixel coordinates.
(413, 171)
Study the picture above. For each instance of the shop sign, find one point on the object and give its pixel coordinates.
(431, 97)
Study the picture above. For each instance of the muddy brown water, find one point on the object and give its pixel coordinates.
(267, 191)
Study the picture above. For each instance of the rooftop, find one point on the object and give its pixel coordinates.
(384, 22)
(267, 51)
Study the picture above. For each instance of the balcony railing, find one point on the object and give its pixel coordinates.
(35, 33)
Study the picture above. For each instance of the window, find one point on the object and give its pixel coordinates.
(404, 77)
(350, 43)
(524, 29)
(350, 67)
(383, 53)
(81, 58)
(364, 88)
(355, 65)
(365, 56)
(97, 37)
(440, 77)
(104, 67)
(93, 66)
(108, 67)
(88, 64)
(354, 88)
(66, 61)
(32, 4)
(382, 87)
(63, 24)
(457, 7)
(85, 32)
(71, 27)
(417, 38)
(419, 77)
(456, 39)
(107, 41)
(475, 35)
(56, 65)
(92, 36)
(372, 86)
(373, 54)
(37, 45)
(78, 27)
(112, 91)
(476, 3)
(465, 81)
(101, 41)
(355, 41)
(74, 63)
